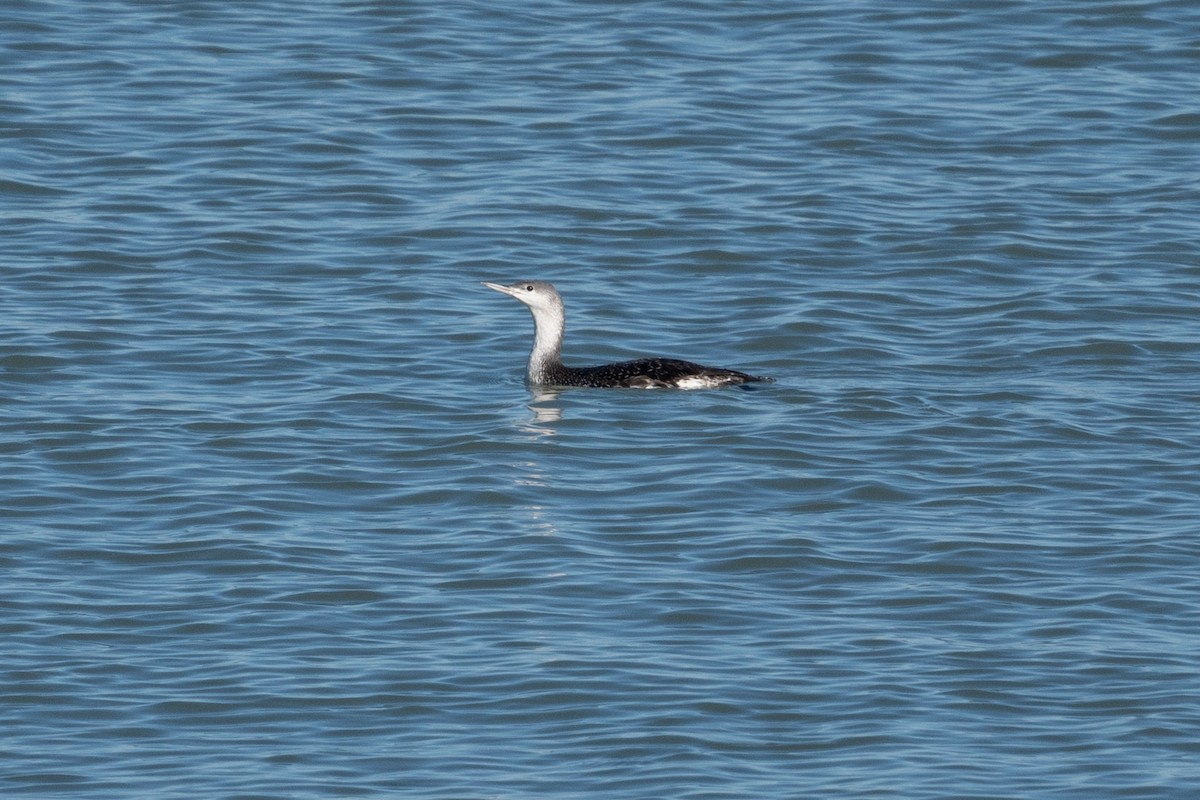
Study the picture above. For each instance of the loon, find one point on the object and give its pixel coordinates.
(545, 360)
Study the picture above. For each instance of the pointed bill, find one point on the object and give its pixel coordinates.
(508, 290)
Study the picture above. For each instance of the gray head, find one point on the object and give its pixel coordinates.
(540, 296)
(549, 321)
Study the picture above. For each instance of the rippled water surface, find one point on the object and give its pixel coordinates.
(281, 520)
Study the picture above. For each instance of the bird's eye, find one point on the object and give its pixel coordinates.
(529, 287)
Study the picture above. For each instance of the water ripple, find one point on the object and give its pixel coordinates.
(282, 520)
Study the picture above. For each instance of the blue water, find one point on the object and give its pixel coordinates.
(279, 518)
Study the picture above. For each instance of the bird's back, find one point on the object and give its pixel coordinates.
(652, 373)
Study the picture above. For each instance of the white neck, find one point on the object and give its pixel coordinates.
(550, 323)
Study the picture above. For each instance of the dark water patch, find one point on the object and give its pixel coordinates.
(22, 188)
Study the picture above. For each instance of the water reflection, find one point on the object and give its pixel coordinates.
(545, 408)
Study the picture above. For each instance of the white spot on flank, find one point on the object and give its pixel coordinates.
(701, 382)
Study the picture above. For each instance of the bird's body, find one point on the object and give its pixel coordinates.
(545, 360)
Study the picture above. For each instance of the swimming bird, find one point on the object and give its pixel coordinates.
(545, 360)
